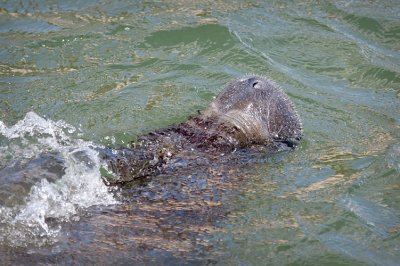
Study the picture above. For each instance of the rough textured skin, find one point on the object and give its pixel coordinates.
(258, 109)
(251, 113)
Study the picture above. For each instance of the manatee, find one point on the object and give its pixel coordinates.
(178, 184)
(251, 113)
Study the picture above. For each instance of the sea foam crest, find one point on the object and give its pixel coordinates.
(79, 186)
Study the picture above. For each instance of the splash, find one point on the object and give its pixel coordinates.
(46, 177)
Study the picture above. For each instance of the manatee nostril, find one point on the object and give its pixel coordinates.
(255, 84)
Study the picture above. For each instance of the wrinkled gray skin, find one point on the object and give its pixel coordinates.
(258, 109)
(251, 113)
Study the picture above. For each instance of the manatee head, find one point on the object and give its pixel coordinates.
(258, 111)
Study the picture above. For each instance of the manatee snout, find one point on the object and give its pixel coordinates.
(259, 110)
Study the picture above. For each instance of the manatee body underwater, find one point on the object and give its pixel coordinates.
(178, 184)
(251, 115)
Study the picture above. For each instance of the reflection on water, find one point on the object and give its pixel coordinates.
(113, 71)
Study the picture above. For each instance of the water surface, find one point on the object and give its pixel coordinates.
(81, 75)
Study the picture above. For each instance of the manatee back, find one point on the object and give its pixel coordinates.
(259, 109)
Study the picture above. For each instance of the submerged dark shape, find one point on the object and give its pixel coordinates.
(251, 113)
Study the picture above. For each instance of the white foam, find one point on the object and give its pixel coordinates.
(80, 187)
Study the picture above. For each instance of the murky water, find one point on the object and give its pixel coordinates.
(78, 76)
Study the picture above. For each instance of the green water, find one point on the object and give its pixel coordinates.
(118, 69)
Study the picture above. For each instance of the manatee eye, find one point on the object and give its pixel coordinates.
(256, 85)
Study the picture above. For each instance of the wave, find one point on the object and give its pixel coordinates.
(47, 177)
